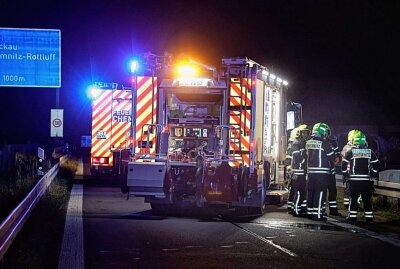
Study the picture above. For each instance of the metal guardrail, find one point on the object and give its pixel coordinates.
(15, 221)
(384, 188)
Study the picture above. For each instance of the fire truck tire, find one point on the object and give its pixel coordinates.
(161, 209)
(243, 180)
(256, 210)
(250, 210)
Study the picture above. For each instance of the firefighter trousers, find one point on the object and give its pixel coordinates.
(364, 188)
(291, 196)
(299, 200)
(346, 195)
(316, 194)
(332, 193)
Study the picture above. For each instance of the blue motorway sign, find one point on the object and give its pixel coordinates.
(30, 57)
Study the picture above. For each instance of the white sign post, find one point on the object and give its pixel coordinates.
(56, 123)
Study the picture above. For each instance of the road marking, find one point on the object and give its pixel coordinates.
(375, 235)
(71, 255)
(267, 241)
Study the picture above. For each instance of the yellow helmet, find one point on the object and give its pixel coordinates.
(303, 131)
(350, 136)
(293, 134)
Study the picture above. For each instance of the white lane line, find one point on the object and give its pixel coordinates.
(269, 242)
(71, 255)
(369, 233)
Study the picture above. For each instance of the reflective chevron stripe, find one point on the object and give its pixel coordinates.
(121, 120)
(146, 112)
(101, 127)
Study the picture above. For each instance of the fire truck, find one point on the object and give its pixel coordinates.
(201, 136)
(204, 137)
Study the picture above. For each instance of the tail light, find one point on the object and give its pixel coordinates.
(100, 160)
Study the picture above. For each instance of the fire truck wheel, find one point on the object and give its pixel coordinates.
(161, 209)
(243, 181)
(256, 210)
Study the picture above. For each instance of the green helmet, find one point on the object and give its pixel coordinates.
(328, 131)
(359, 138)
(303, 131)
(321, 128)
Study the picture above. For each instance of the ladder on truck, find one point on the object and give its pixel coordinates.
(240, 105)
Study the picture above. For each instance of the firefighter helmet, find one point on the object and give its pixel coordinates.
(321, 129)
(303, 131)
(350, 136)
(328, 131)
(359, 138)
(293, 135)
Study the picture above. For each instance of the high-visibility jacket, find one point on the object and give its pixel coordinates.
(298, 160)
(359, 163)
(320, 155)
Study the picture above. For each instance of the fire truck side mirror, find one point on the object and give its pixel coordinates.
(164, 143)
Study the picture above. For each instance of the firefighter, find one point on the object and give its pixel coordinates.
(298, 164)
(319, 156)
(349, 145)
(289, 171)
(332, 192)
(360, 164)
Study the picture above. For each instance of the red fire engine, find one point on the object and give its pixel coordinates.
(201, 136)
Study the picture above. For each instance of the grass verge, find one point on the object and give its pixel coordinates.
(39, 242)
(12, 192)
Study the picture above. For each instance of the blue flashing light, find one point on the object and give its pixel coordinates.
(93, 91)
(133, 66)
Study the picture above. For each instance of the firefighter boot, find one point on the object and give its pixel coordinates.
(351, 219)
(334, 212)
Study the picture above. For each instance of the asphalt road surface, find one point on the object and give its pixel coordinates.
(121, 233)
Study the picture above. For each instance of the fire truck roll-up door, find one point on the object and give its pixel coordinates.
(111, 121)
(239, 109)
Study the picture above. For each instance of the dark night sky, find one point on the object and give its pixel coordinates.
(340, 57)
